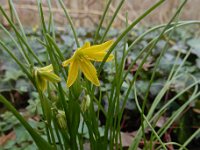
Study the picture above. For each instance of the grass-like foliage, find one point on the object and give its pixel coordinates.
(71, 92)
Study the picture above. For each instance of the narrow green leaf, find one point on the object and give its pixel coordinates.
(41, 143)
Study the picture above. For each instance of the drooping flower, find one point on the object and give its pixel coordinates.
(81, 60)
(44, 74)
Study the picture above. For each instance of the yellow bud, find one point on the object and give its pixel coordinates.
(62, 122)
(50, 76)
(44, 74)
(48, 68)
(85, 103)
(40, 82)
(35, 28)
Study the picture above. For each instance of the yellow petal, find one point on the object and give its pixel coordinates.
(73, 73)
(86, 45)
(99, 56)
(89, 71)
(50, 76)
(98, 48)
(42, 83)
(48, 68)
(66, 62)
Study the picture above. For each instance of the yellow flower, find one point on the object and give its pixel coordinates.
(82, 58)
(44, 74)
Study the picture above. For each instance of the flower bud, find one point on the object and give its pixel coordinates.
(85, 103)
(44, 74)
(40, 82)
(61, 118)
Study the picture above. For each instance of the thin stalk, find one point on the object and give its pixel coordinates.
(172, 76)
(17, 61)
(50, 39)
(101, 21)
(151, 81)
(147, 32)
(172, 99)
(148, 11)
(94, 119)
(92, 139)
(118, 88)
(70, 22)
(112, 109)
(112, 19)
(18, 20)
(65, 139)
(170, 143)
(158, 97)
(177, 12)
(57, 132)
(21, 50)
(161, 111)
(99, 101)
(20, 37)
(115, 44)
(11, 11)
(188, 102)
(52, 136)
(197, 132)
(176, 114)
(51, 26)
(145, 118)
(44, 113)
(63, 100)
(171, 72)
(55, 65)
(56, 70)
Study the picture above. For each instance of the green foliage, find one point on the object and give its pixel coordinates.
(155, 76)
(8, 122)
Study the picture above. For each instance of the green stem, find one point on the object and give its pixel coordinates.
(127, 30)
(101, 21)
(57, 131)
(17, 19)
(70, 22)
(51, 26)
(156, 65)
(196, 133)
(111, 21)
(140, 110)
(44, 113)
(21, 50)
(17, 61)
(20, 37)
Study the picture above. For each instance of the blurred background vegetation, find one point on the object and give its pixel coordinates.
(87, 13)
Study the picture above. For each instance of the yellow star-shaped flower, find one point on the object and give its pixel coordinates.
(81, 60)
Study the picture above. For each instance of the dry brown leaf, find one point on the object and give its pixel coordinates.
(5, 138)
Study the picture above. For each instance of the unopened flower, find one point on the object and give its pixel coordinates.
(81, 60)
(85, 103)
(61, 118)
(44, 74)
